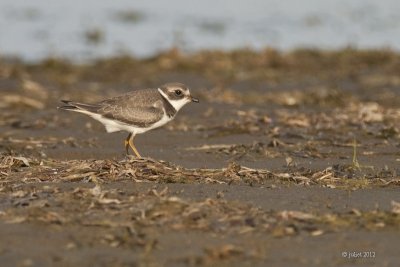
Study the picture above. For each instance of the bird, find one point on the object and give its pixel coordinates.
(136, 112)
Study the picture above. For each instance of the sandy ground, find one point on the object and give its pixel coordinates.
(289, 160)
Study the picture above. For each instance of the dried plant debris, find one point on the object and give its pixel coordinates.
(275, 148)
(36, 147)
(361, 118)
(149, 170)
(257, 149)
(127, 216)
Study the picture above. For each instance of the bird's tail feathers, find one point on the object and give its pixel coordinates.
(74, 106)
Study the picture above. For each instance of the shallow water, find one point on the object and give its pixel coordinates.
(91, 29)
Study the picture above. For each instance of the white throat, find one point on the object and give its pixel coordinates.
(177, 104)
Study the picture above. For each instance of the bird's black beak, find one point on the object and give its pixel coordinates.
(194, 99)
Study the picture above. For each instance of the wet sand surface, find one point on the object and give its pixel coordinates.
(289, 160)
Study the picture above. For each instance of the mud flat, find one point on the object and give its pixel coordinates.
(290, 159)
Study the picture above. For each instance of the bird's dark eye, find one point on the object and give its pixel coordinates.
(178, 92)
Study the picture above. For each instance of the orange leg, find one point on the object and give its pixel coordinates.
(129, 143)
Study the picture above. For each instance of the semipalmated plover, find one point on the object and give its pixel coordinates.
(138, 111)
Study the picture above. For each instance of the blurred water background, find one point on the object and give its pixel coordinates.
(82, 30)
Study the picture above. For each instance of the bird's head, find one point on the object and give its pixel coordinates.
(177, 94)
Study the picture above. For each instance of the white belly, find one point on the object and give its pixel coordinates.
(115, 126)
